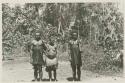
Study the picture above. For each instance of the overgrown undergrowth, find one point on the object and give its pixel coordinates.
(99, 62)
(94, 60)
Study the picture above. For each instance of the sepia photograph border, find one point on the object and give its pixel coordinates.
(122, 3)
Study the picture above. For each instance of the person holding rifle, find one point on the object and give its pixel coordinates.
(75, 56)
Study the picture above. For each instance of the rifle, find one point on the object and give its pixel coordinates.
(79, 36)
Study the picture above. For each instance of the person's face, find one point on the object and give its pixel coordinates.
(74, 36)
(37, 36)
(51, 43)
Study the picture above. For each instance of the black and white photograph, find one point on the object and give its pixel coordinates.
(62, 42)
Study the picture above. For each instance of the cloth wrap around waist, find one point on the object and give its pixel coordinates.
(51, 58)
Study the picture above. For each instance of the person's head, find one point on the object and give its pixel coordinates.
(37, 36)
(74, 36)
(49, 25)
(51, 42)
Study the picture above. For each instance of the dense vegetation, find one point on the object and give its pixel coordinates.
(99, 25)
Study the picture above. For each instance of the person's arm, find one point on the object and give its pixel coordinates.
(57, 56)
(30, 46)
(30, 51)
(79, 44)
(56, 53)
(44, 47)
(69, 51)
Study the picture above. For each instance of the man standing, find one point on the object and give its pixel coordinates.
(36, 50)
(75, 56)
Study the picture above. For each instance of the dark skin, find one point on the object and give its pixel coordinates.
(37, 69)
(54, 71)
(37, 37)
(50, 75)
(74, 38)
(75, 68)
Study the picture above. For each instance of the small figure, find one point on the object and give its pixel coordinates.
(75, 56)
(36, 51)
(51, 60)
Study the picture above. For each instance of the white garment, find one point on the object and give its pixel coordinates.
(51, 52)
(50, 62)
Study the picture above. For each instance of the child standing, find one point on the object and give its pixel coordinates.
(51, 60)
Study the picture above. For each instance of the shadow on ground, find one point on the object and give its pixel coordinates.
(47, 79)
(70, 79)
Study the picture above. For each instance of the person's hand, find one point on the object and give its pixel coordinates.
(31, 60)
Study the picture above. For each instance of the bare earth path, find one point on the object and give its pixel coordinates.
(20, 70)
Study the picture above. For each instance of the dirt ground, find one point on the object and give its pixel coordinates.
(20, 70)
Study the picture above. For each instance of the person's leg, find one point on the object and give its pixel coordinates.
(40, 73)
(54, 73)
(50, 75)
(35, 72)
(74, 71)
(79, 72)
